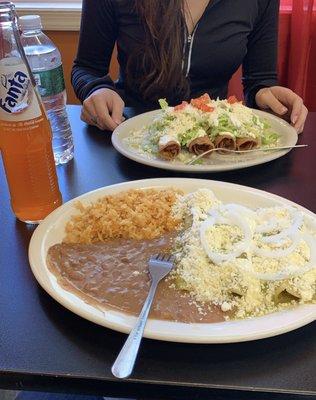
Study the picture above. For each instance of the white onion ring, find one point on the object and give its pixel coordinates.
(292, 230)
(238, 207)
(231, 207)
(285, 274)
(232, 218)
(278, 253)
(218, 257)
(270, 225)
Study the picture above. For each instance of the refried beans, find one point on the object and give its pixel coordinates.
(114, 275)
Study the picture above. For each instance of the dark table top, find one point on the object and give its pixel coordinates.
(45, 347)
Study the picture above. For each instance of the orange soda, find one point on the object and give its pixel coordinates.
(25, 133)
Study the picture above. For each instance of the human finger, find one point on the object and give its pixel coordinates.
(297, 106)
(117, 110)
(89, 110)
(300, 123)
(105, 120)
(86, 117)
(270, 101)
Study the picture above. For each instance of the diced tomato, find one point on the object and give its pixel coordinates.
(181, 106)
(232, 100)
(206, 108)
(201, 105)
(205, 98)
(195, 102)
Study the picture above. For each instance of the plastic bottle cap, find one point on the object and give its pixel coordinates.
(30, 22)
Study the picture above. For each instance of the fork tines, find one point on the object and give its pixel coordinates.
(163, 257)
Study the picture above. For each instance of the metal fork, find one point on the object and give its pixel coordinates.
(159, 266)
(190, 162)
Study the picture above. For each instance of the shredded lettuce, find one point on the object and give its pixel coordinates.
(188, 136)
(266, 125)
(224, 125)
(199, 161)
(189, 123)
(270, 138)
(163, 104)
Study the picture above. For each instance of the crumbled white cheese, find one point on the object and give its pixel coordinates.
(223, 237)
(226, 306)
(233, 285)
(165, 139)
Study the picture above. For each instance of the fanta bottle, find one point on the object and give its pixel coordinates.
(25, 133)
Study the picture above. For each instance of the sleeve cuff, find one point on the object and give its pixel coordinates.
(250, 95)
(97, 87)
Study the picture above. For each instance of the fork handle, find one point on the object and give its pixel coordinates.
(124, 363)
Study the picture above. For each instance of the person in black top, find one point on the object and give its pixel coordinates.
(178, 49)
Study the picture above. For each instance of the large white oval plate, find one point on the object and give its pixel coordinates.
(51, 231)
(217, 162)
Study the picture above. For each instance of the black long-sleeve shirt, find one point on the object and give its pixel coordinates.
(229, 34)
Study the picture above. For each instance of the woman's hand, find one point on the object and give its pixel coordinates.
(104, 109)
(283, 102)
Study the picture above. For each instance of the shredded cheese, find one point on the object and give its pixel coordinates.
(233, 285)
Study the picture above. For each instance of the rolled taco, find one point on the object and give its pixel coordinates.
(247, 143)
(225, 140)
(168, 147)
(200, 145)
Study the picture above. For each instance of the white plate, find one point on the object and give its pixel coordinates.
(51, 231)
(217, 162)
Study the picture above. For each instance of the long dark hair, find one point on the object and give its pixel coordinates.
(155, 68)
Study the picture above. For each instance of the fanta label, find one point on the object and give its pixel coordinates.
(18, 101)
